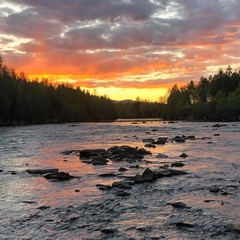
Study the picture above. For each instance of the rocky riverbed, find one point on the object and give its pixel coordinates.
(147, 180)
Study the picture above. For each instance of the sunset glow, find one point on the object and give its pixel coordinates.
(123, 49)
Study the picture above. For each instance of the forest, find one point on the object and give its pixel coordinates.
(28, 102)
(216, 98)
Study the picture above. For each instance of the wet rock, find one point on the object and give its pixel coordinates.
(99, 161)
(233, 227)
(122, 169)
(30, 202)
(108, 230)
(143, 151)
(184, 225)
(42, 171)
(209, 200)
(135, 166)
(179, 205)
(177, 164)
(165, 166)
(191, 137)
(115, 153)
(183, 155)
(150, 145)
(69, 152)
(217, 189)
(214, 189)
(150, 140)
(179, 139)
(138, 179)
(170, 173)
(144, 228)
(43, 207)
(148, 175)
(107, 175)
(87, 153)
(160, 155)
(122, 193)
(121, 185)
(103, 187)
(219, 125)
(61, 176)
(160, 141)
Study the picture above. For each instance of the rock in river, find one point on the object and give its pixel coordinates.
(42, 171)
(61, 176)
(149, 175)
(177, 164)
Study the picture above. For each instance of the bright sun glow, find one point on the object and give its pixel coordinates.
(132, 93)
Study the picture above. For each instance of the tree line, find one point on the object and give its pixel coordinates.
(216, 98)
(27, 102)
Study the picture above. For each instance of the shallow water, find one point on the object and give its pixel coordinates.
(77, 209)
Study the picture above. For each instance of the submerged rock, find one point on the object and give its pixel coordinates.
(99, 161)
(43, 207)
(149, 140)
(150, 145)
(121, 185)
(61, 176)
(122, 193)
(233, 227)
(107, 175)
(122, 169)
(108, 230)
(170, 172)
(87, 153)
(219, 125)
(179, 139)
(191, 137)
(179, 205)
(161, 155)
(160, 141)
(177, 164)
(103, 187)
(184, 225)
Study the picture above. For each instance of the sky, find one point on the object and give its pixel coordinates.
(120, 48)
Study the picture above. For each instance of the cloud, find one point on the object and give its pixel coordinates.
(127, 43)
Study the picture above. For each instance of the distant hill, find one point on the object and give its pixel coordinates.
(124, 101)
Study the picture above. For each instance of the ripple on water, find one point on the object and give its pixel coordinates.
(34, 208)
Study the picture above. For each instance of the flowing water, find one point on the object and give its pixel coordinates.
(35, 208)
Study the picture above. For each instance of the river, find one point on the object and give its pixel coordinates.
(33, 207)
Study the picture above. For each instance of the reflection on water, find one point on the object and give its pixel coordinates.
(61, 210)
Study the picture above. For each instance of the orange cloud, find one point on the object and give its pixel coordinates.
(129, 45)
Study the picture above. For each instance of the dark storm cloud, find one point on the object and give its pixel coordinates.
(86, 10)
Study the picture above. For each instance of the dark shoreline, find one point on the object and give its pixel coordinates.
(131, 120)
